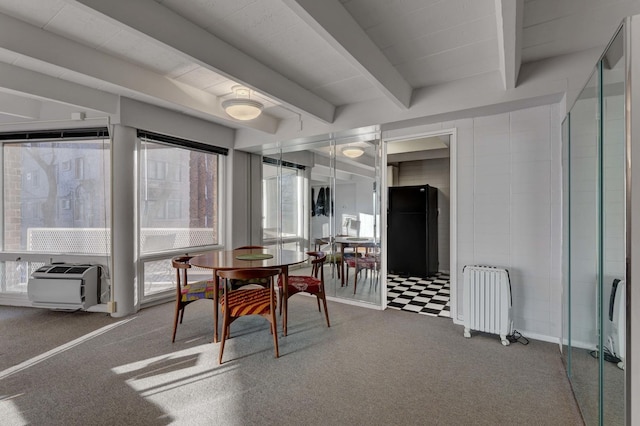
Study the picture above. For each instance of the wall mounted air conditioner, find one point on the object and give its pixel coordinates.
(64, 286)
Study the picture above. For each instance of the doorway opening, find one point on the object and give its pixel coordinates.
(420, 201)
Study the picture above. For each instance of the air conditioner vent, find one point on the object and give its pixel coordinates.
(58, 270)
(77, 270)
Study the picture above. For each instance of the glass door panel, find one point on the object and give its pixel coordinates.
(613, 243)
(566, 246)
(583, 217)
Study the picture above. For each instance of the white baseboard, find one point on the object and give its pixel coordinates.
(525, 333)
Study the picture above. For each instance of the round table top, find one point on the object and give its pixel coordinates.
(228, 259)
(355, 240)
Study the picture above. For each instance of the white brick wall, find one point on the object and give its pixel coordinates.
(509, 209)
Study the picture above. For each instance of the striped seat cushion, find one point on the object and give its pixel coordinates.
(303, 283)
(249, 302)
(198, 290)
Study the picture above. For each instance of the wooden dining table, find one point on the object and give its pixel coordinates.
(248, 259)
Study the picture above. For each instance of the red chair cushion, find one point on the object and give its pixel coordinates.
(363, 262)
(305, 283)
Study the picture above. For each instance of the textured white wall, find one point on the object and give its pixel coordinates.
(509, 209)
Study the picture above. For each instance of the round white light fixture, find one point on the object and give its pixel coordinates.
(241, 107)
(352, 151)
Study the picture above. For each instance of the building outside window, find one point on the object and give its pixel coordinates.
(178, 208)
(39, 196)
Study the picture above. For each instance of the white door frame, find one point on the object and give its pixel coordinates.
(453, 211)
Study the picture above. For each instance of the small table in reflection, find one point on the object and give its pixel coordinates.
(355, 243)
(249, 259)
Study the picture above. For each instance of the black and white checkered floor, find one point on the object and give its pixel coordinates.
(427, 296)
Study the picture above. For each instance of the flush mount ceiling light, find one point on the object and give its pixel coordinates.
(242, 107)
(352, 151)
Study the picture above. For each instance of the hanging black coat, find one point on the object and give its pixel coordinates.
(320, 206)
(313, 202)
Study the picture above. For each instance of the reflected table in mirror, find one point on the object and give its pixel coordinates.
(358, 246)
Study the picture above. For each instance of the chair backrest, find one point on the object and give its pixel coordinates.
(317, 262)
(254, 275)
(246, 274)
(181, 265)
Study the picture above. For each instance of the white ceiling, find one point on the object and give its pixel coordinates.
(325, 63)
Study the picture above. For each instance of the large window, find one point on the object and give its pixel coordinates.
(178, 207)
(56, 200)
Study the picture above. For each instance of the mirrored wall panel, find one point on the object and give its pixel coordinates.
(594, 163)
(613, 243)
(323, 194)
(584, 249)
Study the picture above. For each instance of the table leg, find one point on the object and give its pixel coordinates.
(341, 265)
(216, 304)
(285, 297)
(355, 274)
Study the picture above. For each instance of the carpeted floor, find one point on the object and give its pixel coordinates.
(370, 368)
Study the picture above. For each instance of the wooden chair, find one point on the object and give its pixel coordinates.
(334, 258)
(369, 262)
(312, 284)
(257, 300)
(188, 292)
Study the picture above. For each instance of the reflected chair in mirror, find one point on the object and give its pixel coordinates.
(334, 258)
(312, 284)
(249, 300)
(187, 292)
(368, 262)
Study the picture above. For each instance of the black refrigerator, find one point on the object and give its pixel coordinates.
(412, 231)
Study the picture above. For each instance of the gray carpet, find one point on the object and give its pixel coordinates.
(585, 385)
(370, 368)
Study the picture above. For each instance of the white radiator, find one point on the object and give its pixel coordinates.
(487, 301)
(616, 324)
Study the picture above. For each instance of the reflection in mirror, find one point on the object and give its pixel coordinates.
(284, 204)
(356, 219)
(318, 195)
(584, 249)
(566, 247)
(596, 241)
(613, 243)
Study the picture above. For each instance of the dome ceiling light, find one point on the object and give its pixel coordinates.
(242, 107)
(352, 151)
